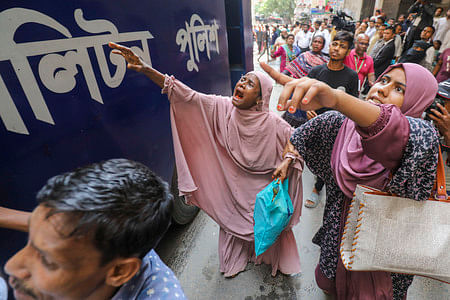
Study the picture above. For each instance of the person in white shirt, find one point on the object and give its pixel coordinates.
(398, 41)
(437, 15)
(371, 29)
(326, 34)
(361, 29)
(316, 28)
(296, 28)
(445, 42)
(303, 38)
(442, 26)
(281, 40)
(430, 55)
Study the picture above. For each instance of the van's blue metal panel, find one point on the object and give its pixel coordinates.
(132, 123)
(247, 35)
(240, 38)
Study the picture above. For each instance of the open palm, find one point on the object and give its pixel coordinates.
(134, 61)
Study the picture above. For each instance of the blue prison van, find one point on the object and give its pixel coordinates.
(66, 101)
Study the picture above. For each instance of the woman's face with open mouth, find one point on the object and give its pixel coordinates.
(247, 92)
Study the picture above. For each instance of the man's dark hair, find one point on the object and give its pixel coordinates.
(290, 34)
(438, 41)
(383, 20)
(297, 23)
(390, 28)
(119, 204)
(317, 22)
(344, 36)
(432, 28)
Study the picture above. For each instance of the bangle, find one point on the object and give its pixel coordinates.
(290, 155)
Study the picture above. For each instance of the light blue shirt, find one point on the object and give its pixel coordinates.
(153, 281)
(3, 289)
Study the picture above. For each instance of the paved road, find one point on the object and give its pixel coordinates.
(191, 251)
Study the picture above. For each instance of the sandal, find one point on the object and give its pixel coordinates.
(314, 198)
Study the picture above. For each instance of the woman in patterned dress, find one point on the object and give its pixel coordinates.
(301, 66)
(288, 52)
(381, 143)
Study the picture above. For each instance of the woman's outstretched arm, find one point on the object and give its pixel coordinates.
(137, 64)
(310, 94)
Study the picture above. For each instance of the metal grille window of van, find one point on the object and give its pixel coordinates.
(197, 37)
(57, 72)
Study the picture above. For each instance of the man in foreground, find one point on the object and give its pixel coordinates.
(92, 235)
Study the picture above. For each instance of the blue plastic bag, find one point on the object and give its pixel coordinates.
(273, 210)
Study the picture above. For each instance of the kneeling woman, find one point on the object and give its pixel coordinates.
(381, 143)
(226, 149)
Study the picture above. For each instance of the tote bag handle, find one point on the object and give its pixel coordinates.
(439, 185)
(441, 190)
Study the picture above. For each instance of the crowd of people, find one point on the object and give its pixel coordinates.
(420, 36)
(93, 232)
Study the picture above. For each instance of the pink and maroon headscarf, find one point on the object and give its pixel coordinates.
(350, 164)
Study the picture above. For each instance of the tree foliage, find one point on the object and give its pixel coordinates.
(282, 8)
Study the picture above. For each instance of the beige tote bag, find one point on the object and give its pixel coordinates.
(384, 232)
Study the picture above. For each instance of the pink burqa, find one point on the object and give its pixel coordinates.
(224, 157)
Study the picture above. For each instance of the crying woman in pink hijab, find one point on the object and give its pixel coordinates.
(226, 149)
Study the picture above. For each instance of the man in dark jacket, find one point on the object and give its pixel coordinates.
(417, 52)
(424, 11)
(384, 57)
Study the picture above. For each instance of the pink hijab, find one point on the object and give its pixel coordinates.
(350, 164)
(250, 133)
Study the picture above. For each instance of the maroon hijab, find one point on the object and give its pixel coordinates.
(350, 164)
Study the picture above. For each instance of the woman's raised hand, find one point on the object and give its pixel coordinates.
(134, 62)
(304, 93)
(137, 64)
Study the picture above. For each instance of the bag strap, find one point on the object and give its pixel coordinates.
(439, 185)
(441, 190)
